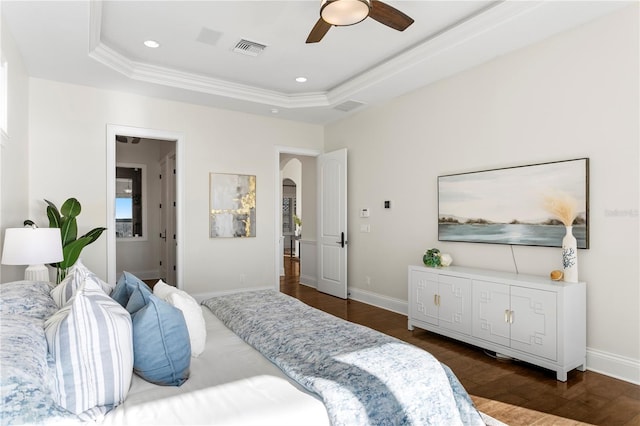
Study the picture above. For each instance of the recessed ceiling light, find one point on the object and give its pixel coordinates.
(152, 44)
(301, 79)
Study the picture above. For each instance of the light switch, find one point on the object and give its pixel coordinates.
(365, 227)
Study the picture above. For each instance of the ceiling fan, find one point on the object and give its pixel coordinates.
(349, 12)
(125, 139)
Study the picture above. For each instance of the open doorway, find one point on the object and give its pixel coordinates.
(143, 193)
(291, 222)
(145, 220)
(297, 216)
(323, 258)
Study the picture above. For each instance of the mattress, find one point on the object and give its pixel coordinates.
(230, 384)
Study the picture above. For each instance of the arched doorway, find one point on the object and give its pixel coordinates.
(290, 217)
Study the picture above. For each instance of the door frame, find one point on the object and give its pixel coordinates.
(278, 201)
(180, 140)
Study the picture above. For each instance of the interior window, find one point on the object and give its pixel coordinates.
(129, 215)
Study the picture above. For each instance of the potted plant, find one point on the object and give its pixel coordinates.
(298, 222)
(432, 258)
(65, 219)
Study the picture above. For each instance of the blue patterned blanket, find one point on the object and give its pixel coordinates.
(364, 377)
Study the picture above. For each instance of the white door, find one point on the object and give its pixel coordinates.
(172, 243)
(332, 223)
(163, 219)
(168, 219)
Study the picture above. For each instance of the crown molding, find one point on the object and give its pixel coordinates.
(428, 51)
(431, 59)
(198, 83)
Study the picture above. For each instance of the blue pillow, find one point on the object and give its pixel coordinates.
(131, 292)
(161, 345)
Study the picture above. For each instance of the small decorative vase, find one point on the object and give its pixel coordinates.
(446, 259)
(570, 256)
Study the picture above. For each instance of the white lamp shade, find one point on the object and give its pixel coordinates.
(344, 12)
(32, 246)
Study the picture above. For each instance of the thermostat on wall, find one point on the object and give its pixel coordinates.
(364, 212)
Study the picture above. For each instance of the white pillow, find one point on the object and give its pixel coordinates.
(191, 311)
(90, 341)
(76, 276)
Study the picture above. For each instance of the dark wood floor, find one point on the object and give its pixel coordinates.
(498, 387)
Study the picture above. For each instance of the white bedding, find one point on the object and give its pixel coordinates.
(230, 384)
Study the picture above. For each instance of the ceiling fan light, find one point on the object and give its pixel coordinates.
(344, 12)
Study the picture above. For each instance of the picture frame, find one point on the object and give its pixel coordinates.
(507, 205)
(232, 205)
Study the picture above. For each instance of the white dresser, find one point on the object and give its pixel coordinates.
(527, 317)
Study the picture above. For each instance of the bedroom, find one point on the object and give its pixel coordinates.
(572, 95)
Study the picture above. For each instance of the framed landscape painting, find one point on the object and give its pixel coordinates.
(509, 205)
(232, 205)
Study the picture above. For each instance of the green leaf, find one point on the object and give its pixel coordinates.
(53, 214)
(68, 230)
(71, 208)
(94, 234)
(71, 247)
(72, 252)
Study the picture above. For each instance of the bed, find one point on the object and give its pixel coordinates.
(250, 371)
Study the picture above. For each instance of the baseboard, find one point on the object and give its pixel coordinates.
(309, 281)
(384, 302)
(613, 365)
(204, 296)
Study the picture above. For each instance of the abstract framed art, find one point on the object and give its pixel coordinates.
(232, 205)
(508, 205)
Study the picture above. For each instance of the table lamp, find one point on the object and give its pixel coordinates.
(34, 247)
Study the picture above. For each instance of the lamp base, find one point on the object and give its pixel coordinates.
(37, 273)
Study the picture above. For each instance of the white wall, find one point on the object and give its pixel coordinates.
(14, 151)
(71, 120)
(574, 95)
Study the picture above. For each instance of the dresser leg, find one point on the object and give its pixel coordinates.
(561, 375)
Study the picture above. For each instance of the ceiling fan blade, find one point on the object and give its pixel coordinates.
(318, 31)
(389, 16)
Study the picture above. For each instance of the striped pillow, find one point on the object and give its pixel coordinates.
(90, 341)
(80, 268)
(76, 276)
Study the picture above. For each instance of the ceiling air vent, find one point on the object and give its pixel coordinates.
(348, 106)
(250, 48)
(209, 36)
